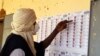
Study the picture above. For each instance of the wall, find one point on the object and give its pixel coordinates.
(47, 7)
(94, 47)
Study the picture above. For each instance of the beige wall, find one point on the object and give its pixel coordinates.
(47, 7)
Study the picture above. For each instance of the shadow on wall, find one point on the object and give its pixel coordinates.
(7, 27)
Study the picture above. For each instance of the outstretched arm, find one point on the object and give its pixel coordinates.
(62, 25)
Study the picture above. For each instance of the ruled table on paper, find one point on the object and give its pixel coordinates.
(72, 41)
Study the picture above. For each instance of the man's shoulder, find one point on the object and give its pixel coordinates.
(15, 40)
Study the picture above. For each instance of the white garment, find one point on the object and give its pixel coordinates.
(17, 52)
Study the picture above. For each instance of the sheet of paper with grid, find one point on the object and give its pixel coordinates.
(72, 41)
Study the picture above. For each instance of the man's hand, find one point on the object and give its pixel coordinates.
(62, 25)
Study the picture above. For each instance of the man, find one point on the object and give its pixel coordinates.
(20, 42)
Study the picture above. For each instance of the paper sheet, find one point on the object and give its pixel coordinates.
(72, 41)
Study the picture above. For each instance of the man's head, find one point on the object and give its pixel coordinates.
(24, 20)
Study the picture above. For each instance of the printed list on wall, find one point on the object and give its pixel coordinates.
(72, 41)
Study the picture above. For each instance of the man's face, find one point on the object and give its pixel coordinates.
(36, 27)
